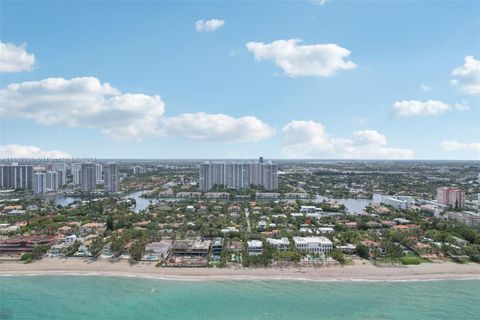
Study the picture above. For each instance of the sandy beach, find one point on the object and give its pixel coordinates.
(360, 271)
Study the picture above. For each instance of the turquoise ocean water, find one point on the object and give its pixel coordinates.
(97, 297)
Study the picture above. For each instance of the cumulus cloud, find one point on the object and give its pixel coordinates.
(467, 76)
(19, 151)
(15, 58)
(318, 60)
(308, 139)
(83, 102)
(217, 127)
(425, 87)
(411, 108)
(451, 146)
(88, 103)
(209, 25)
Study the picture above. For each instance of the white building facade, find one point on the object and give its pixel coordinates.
(313, 244)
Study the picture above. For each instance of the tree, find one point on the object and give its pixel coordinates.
(96, 247)
(117, 245)
(110, 222)
(338, 255)
(73, 248)
(137, 250)
(39, 251)
(362, 251)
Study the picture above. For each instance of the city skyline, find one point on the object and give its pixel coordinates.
(310, 82)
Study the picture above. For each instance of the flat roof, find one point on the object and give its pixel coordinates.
(305, 240)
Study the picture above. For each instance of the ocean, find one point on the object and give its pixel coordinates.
(102, 297)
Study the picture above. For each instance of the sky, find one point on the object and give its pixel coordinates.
(230, 79)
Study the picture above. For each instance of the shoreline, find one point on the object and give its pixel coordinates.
(359, 272)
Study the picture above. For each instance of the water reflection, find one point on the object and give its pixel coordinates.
(354, 206)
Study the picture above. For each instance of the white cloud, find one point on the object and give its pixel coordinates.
(15, 58)
(209, 25)
(308, 139)
(88, 103)
(451, 146)
(461, 106)
(217, 127)
(83, 102)
(467, 77)
(19, 151)
(425, 87)
(319, 60)
(411, 108)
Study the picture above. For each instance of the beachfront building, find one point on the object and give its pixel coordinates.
(280, 244)
(160, 249)
(191, 247)
(255, 247)
(69, 240)
(313, 244)
(19, 244)
(217, 246)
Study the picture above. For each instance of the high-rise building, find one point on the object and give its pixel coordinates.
(111, 177)
(138, 170)
(61, 169)
(52, 180)
(238, 175)
(40, 183)
(87, 177)
(16, 176)
(76, 168)
(98, 173)
(451, 197)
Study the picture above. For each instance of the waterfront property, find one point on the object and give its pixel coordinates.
(313, 244)
(280, 244)
(20, 244)
(255, 247)
(159, 249)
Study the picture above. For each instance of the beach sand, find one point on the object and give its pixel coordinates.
(360, 271)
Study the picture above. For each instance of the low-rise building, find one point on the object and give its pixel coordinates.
(20, 244)
(281, 244)
(69, 240)
(255, 247)
(159, 249)
(310, 209)
(191, 247)
(217, 246)
(313, 244)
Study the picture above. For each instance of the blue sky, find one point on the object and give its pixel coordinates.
(361, 97)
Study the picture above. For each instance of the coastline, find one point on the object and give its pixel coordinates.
(359, 272)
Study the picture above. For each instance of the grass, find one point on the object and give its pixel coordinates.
(412, 260)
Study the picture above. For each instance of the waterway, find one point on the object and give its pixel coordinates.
(353, 206)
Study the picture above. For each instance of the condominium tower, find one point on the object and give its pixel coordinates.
(40, 183)
(52, 180)
(451, 197)
(87, 177)
(16, 176)
(238, 175)
(111, 177)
